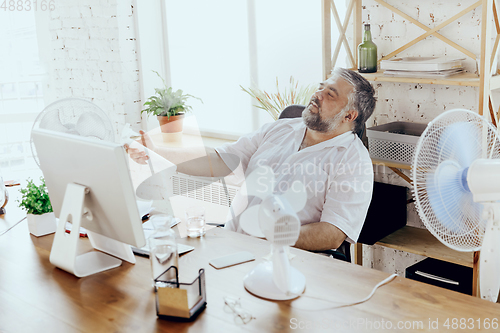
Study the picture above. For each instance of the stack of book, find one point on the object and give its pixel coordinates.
(423, 67)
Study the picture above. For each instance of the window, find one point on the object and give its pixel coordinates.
(213, 47)
(21, 97)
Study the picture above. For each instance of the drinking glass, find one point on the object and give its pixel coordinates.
(195, 221)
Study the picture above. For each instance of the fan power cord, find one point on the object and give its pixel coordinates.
(380, 284)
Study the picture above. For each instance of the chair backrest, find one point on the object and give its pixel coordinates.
(295, 111)
(292, 111)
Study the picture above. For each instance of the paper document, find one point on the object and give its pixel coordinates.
(424, 74)
(421, 63)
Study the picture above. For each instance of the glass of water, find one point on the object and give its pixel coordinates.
(195, 221)
(163, 249)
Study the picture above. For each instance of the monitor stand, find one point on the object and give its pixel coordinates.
(64, 253)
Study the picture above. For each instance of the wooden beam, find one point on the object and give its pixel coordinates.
(402, 175)
(475, 274)
(357, 28)
(484, 65)
(426, 28)
(495, 17)
(494, 53)
(339, 28)
(326, 32)
(342, 30)
(358, 254)
(494, 118)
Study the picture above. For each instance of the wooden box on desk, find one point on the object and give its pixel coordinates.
(386, 214)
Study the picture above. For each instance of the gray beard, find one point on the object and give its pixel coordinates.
(314, 122)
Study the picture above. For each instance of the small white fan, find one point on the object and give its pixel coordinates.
(74, 116)
(456, 185)
(276, 219)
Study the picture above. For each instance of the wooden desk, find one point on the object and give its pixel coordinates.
(35, 296)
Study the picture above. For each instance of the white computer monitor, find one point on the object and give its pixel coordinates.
(89, 185)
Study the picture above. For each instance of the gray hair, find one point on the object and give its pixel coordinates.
(361, 99)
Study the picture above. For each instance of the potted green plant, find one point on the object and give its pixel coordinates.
(169, 107)
(35, 201)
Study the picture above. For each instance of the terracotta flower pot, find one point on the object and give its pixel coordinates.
(172, 125)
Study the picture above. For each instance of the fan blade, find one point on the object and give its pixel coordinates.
(281, 269)
(489, 261)
(459, 142)
(156, 187)
(260, 182)
(51, 121)
(449, 196)
(296, 196)
(91, 125)
(249, 221)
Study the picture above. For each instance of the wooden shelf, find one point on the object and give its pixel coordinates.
(422, 242)
(391, 164)
(410, 239)
(465, 79)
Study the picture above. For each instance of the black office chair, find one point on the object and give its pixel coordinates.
(295, 111)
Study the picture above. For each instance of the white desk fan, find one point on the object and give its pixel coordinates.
(74, 116)
(276, 219)
(456, 185)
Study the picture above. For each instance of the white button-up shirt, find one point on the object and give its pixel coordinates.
(337, 173)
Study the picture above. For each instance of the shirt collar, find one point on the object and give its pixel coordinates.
(342, 140)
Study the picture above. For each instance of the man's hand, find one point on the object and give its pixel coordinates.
(195, 161)
(138, 155)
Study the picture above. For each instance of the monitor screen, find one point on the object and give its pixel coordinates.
(101, 166)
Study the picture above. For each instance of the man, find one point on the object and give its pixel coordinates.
(321, 150)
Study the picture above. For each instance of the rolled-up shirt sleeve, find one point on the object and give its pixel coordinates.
(349, 195)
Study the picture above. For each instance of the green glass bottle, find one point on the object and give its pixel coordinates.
(367, 53)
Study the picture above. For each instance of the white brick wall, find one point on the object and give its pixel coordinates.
(93, 55)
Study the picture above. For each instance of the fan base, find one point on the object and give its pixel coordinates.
(260, 283)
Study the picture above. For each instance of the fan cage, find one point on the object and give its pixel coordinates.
(466, 232)
(75, 116)
(286, 230)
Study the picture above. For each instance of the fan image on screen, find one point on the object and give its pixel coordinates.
(74, 116)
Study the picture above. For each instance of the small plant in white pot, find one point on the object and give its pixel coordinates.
(35, 201)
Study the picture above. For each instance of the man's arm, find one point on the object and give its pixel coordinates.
(320, 236)
(195, 161)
